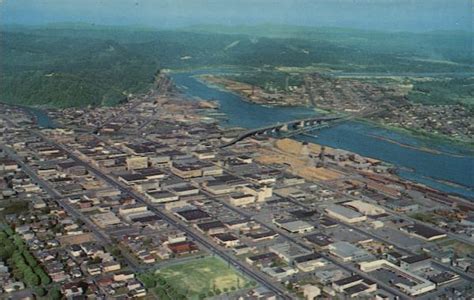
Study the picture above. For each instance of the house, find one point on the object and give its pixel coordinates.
(94, 269)
(8, 165)
(183, 247)
(111, 266)
(124, 276)
(71, 290)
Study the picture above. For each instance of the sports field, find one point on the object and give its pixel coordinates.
(205, 276)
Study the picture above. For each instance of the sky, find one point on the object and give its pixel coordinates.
(391, 15)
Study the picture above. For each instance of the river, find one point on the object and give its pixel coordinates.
(41, 117)
(444, 166)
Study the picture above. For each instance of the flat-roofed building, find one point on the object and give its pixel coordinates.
(241, 199)
(212, 170)
(186, 170)
(261, 192)
(348, 252)
(309, 262)
(288, 251)
(411, 284)
(132, 179)
(344, 214)
(320, 240)
(280, 273)
(191, 215)
(132, 209)
(218, 187)
(152, 173)
(204, 154)
(212, 227)
(104, 220)
(137, 162)
(414, 262)
(262, 259)
(184, 189)
(162, 196)
(294, 226)
(261, 235)
(226, 239)
(424, 232)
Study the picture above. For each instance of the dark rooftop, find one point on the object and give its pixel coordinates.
(193, 214)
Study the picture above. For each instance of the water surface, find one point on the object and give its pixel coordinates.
(441, 165)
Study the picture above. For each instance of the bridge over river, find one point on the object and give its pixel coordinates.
(289, 128)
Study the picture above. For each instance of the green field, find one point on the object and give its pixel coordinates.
(198, 279)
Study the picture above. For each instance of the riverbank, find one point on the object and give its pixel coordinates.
(38, 113)
(426, 167)
(258, 97)
(426, 136)
(253, 93)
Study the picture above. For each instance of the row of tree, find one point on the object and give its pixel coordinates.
(25, 266)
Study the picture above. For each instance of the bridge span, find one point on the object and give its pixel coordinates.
(294, 125)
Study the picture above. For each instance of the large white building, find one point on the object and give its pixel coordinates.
(418, 285)
(345, 214)
(365, 208)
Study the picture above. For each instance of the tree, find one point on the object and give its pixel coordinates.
(116, 252)
(31, 278)
(39, 291)
(8, 231)
(54, 294)
(149, 281)
(44, 278)
(29, 259)
(18, 242)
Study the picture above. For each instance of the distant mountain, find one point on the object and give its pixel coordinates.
(450, 45)
(82, 64)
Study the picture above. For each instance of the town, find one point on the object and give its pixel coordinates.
(141, 201)
(384, 103)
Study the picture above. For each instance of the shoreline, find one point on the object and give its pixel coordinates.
(427, 136)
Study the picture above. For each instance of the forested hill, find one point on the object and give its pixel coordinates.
(79, 66)
(68, 71)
